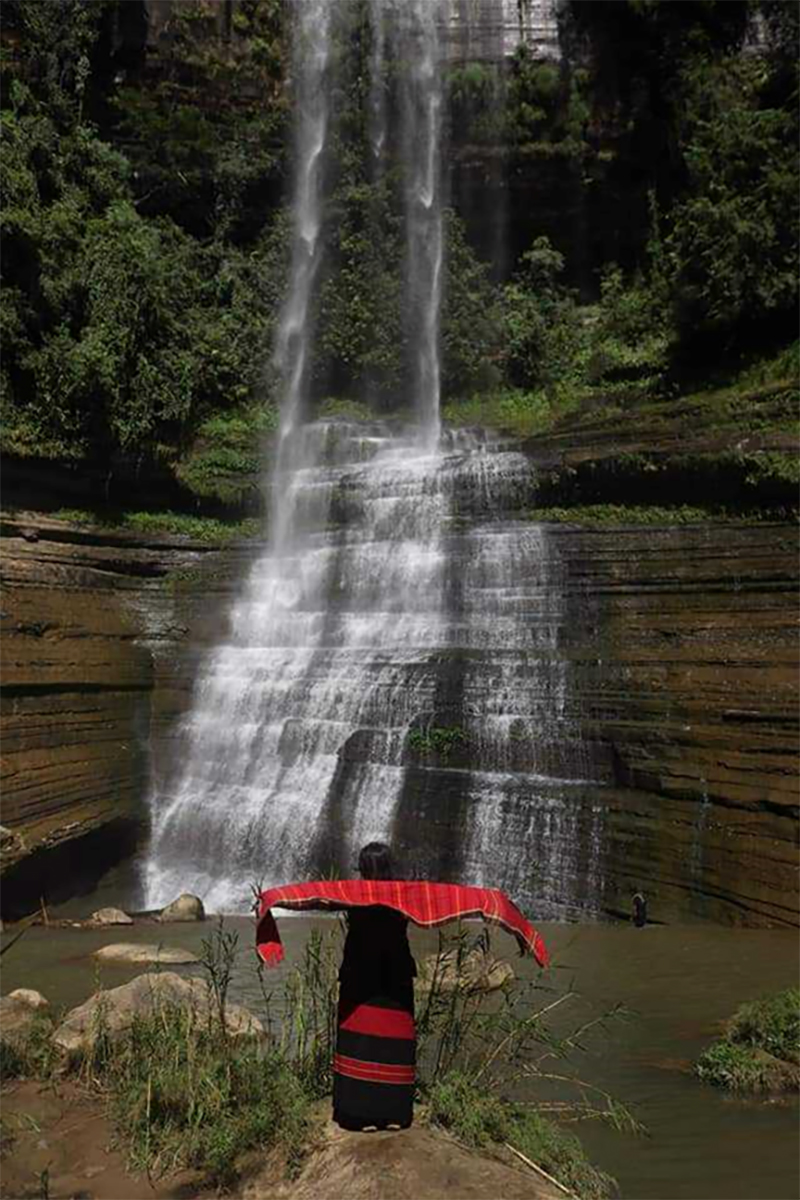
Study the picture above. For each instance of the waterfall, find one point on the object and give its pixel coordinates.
(377, 90)
(393, 666)
(417, 34)
(293, 341)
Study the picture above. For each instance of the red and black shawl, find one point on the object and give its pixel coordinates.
(425, 904)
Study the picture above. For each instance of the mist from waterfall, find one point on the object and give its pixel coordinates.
(395, 594)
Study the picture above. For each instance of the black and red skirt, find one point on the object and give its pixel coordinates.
(374, 1063)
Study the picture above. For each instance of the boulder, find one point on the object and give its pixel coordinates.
(144, 952)
(113, 1012)
(29, 997)
(110, 916)
(477, 971)
(19, 1012)
(186, 908)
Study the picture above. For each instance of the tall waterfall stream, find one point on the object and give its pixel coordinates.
(392, 666)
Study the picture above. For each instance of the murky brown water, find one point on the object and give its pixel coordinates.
(680, 981)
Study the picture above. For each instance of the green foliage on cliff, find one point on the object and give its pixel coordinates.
(441, 740)
(121, 331)
(201, 529)
(713, 127)
(733, 248)
(142, 175)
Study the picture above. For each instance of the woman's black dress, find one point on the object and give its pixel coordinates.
(373, 1080)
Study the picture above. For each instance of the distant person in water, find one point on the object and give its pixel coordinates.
(639, 903)
(373, 1080)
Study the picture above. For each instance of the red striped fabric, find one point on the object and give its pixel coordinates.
(372, 1072)
(424, 903)
(379, 1022)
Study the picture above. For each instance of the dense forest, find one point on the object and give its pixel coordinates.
(144, 227)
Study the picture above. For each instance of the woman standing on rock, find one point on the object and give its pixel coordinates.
(373, 1081)
(373, 1067)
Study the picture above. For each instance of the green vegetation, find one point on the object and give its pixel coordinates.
(480, 1119)
(185, 1095)
(632, 514)
(145, 242)
(201, 529)
(122, 331)
(760, 1051)
(31, 1056)
(437, 739)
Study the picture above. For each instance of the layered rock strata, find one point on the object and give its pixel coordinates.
(93, 633)
(680, 655)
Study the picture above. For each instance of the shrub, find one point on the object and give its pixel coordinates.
(760, 1051)
(772, 1024)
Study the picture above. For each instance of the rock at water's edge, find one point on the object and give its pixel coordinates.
(132, 952)
(110, 916)
(19, 1012)
(186, 908)
(477, 972)
(114, 1011)
(28, 997)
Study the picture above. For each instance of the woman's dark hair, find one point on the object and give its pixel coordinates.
(375, 861)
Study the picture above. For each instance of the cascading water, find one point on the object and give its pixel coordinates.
(311, 53)
(393, 667)
(417, 25)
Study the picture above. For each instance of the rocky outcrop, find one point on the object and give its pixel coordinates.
(185, 908)
(142, 952)
(684, 646)
(92, 623)
(475, 971)
(676, 658)
(19, 1012)
(113, 1012)
(412, 1164)
(110, 916)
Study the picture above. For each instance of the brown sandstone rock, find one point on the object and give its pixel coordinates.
(477, 972)
(185, 908)
(110, 916)
(19, 1012)
(133, 952)
(114, 1011)
(411, 1164)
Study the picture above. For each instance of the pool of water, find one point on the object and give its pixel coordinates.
(677, 984)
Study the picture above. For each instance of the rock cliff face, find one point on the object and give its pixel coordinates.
(690, 678)
(91, 626)
(681, 665)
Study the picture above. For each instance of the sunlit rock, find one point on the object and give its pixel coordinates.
(475, 971)
(19, 1011)
(111, 1013)
(185, 908)
(110, 916)
(131, 952)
